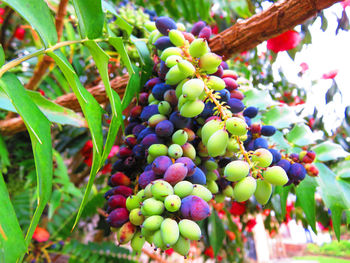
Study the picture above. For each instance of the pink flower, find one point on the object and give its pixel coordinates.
(286, 41)
(331, 74)
(304, 67)
(41, 234)
(345, 3)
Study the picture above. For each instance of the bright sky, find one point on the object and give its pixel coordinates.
(327, 52)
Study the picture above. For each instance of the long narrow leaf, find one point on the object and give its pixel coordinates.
(4, 156)
(12, 244)
(38, 15)
(117, 43)
(39, 130)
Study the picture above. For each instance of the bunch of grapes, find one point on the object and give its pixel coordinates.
(189, 138)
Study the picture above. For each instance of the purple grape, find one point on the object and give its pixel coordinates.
(276, 156)
(224, 95)
(285, 164)
(170, 96)
(191, 167)
(268, 130)
(165, 129)
(205, 33)
(144, 133)
(231, 84)
(165, 24)
(150, 139)
(179, 121)
(146, 178)
(223, 183)
(194, 208)
(208, 109)
(116, 201)
(236, 105)
(129, 127)
(139, 152)
(150, 83)
(118, 166)
(148, 112)
(161, 164)
(159, 90)
(197, 27)
(119, 190)
(248, 120)
(219, 72)
(163, 43)
(224, 65)
(118, 217)
(163, 70)
(175, 173)
(296, 173)
(137, 129)
(198, 177)
(260, 143)
(250, 112)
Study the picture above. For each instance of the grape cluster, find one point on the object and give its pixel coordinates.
(190, 137)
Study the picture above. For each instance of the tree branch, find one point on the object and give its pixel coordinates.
(242, 36)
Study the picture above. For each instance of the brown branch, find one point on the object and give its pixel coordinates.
(242, 36)
(45, 63)
(15, 125)
(280, 17)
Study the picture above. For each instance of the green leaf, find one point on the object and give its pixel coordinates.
(12, 244)
(279, 140)
(283, 191)
(305, 193)
(120, 21)
(216, 232)
(241, 8)
(328, 151)
(38, 15)
(342, 170)
(333, 194)
(39, 130)
(52, 111)
(4, 156)
(132, 88)
(280, 117)
(90, 17)
(300, 135)
(258, 98)
(101, 61)
(2, 56)
(93, 115)
(118, 44)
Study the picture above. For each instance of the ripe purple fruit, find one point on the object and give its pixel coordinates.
(161, 164)
(164, 128)
(197, 27)
(116, 201)
(165, 24)
(194, 208)
(163, 43)
(146, 178)
(236, 105)
(188, 163)
(250, 112)
(268, 130)
(118, 217)
(175, 173)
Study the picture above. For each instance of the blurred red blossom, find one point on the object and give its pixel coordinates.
(345, 3)
(251, 224)
(237, 208)
(209, 252)
(304, 67)
(41, 234)
(286, 41)
(169, 251)
(331, 74)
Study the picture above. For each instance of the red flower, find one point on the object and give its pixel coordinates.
(219, 258)
(20, 33)
(345, 3)
(209, 252)
(237, 208)
(330, 75)
(2, 11)
(230, 235)
(1, 20)
(304, 67)
(41, 92)
(266, 212)
(286, 41)
(215, 29)
(251, 224)
(169, 251)
(107, 168)
(86, 150)
(41, 235)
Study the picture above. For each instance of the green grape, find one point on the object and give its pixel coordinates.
(161, 189)
(178, 90)
(170, 231)
(198, 48)
(275, 175)
(155, 119)
(263, 191)
(210, 165)
(158, 240)
(176, 37)
(190, 229)
(183, 189)
(170, 51)
(262, 157)
(233, 145)
(228, 191)
(236, 126)
(135, 217)
(137, 242)
(152, 223)
(133, 201)
(209, 62)
(182, 246)
(147, 191)
(192, 108)
(172, 203)
(186, 68)
(141, 195)
(217, 143)
(189, 151)
(172, 60)
(174, 76)
(179, 137)
(236, 170)
(219, 198)
(151, 98)
(209, 129)
(244, 189)
(192, 88)
(202, 192)
(216, 83)
(150, 26)
(151, 207)
(211, 175)
(158, 150)
(148, 234)
(150, 159)
(126, 233)
(175, 151)
(164, 108)
(212, 186)
(181, 27)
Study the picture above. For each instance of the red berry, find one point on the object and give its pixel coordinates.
(41, 234)
(20, 33)
(119, 178)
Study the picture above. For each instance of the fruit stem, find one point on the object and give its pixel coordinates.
(246, 157)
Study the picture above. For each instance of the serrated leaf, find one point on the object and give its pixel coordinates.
(118, 44)
(90, 18)
(280, 117)
(39, 130)
(12, 244)
(328, 151)
(300, 135)
(216, 232)
(52, 111)
(38, 15)
(283, 191)
(258, 98)
(305, 193)
(332, 195)
(120, 21)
